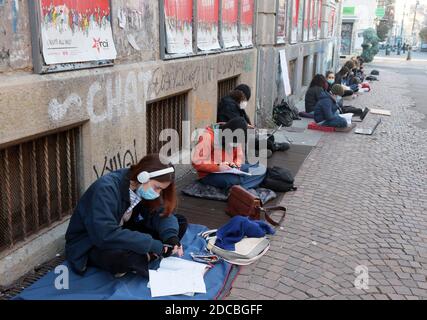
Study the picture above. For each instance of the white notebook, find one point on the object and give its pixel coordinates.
(235, 171)
(177, 277)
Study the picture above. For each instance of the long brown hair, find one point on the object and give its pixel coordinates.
(151, 163)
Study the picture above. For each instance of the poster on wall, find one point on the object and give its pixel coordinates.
(281, 21)
(331, 22)
(76, 31)
(306, 20)
(179, 27)
(300, 20)
(230, 20)
(285, 73)
(294, 28)
(247, 18)
(312, 27)
(207, 24)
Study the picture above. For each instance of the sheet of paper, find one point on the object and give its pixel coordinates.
(285, 73)
(348, 117)
(177, 277)
(165, 283)
(236, 171)
(173, 263)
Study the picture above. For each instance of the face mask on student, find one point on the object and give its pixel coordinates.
(149, 195)
(243, 105)
(331, 81)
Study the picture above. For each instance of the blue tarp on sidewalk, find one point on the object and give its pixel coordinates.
(99, 285)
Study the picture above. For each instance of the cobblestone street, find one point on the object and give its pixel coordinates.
(362, 201)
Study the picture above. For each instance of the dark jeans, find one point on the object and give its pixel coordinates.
(336, 122)
(124, 261)
(348, 93)
(227, 180)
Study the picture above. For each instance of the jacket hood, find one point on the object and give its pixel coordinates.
(326, 95)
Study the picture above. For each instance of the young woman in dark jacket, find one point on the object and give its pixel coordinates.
(317, 86)
(342, 78)
(126, 219)
(235, 105)
(326, 112)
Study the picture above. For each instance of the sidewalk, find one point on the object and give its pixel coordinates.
(362, 201)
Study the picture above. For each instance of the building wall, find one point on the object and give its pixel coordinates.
(364, 18)
(325, 51)
(108, 103)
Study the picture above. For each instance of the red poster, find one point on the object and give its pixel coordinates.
(331, 22)
(295, 19)
(230, 16)
(306, 14)
(179, 26)
(207, 24)
(247, 12)
(319, 18)
(247, 17)
(207, 11)
(312, 19)
(230, 11)
(76, 31)
(180, 10)
(282, 21)
(306, 20)
(295, 13)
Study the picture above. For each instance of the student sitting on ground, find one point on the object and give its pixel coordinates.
(341, 78)
(330, 78)
(358, 73)
(235, 105)
(126, 219)
(317, 86)
(326, 112)
(213, 156)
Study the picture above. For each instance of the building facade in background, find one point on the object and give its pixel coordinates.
(307, 35)
(86, 87)
(357, 16)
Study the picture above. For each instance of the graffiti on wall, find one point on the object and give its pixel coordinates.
(179, 77)
(122, 96)
(120, 160)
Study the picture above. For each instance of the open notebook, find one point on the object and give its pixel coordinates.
(235, 171)
(177, 277)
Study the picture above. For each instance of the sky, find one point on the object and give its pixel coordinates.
(400, 5)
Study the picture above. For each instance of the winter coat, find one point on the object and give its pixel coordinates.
(96, 222)
(326, 108)
(229, 109)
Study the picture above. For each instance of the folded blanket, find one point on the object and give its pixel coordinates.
(200, 190)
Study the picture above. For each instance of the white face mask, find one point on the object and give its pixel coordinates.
(243, 105)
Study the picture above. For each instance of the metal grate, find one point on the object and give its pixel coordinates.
(305, 75)
(38, 185)
(315, 57)
(165, 114)
(226, 86)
